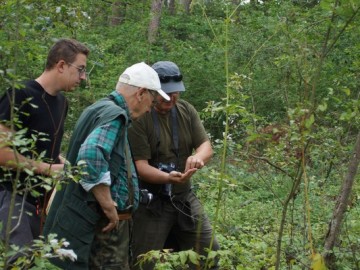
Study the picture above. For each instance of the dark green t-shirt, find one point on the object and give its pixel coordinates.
(143, 139)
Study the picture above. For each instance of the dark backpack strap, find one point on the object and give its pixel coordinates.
(175, 134)
(174, 131)
(157, 131)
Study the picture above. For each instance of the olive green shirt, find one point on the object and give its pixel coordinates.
(143, 140)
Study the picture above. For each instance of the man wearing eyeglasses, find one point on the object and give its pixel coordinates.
(35, 110)
(100, 235)
(169, 145)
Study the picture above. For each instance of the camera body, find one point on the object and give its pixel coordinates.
(145, 196)
(167, 167)
(166, 188)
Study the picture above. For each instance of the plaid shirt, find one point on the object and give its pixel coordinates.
(96, 151)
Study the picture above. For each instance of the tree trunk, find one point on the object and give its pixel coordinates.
(118, 12)
(154, 24)
(186, 4)
(172, 7)
(341, 206)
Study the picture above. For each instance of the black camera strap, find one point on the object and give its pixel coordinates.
(174, 131)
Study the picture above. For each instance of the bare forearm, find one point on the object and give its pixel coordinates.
(204, 152)
(14, 160)
(103, 196)
(151, 174)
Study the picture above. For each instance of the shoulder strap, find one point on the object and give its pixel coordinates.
(174, 131)
(175, 135)
(157, 131)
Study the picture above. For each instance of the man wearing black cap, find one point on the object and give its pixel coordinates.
(169, 145)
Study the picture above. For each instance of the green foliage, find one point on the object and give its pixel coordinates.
(165, 259)
(27, 32)
(279, 85)
(39, 254)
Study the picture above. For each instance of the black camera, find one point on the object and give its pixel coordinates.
(166, 167)
(166, 188)
(145, 196)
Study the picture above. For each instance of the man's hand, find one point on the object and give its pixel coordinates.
(194, 162)
(113, 217)
(178, 177)
(103, 196)
(48, 169)
(62, 159)
(153, 175)
(202, 155)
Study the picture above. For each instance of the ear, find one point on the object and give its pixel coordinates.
(142, 91)
(60, 66)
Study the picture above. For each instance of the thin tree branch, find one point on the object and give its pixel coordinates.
(271, 164)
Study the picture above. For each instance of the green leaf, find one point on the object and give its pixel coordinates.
(193, 257)
(347, 91)
(183, 257)
(309, 121)
(322, 107)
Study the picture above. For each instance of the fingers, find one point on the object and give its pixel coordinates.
(110, 226)
(189, 173)
(175, 177)
(175, 174)
(112, 215)
(62, 159)
(178, 177)
(194, 162)
(57, 167)
(55, 170)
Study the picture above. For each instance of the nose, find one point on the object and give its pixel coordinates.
(83, 76)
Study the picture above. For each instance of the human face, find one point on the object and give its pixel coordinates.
(163, 106)
(147, 99)
(76, 72)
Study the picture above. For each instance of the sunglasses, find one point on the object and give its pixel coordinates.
(168, 78)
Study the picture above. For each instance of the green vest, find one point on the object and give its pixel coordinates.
(69, 216)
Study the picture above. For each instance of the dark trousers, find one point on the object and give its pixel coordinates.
(151, 230)
(25, 224)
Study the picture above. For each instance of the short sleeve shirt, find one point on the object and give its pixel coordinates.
(146, 145)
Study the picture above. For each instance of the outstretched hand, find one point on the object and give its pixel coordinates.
(178, 177)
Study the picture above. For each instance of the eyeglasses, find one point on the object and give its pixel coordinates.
(168, 78)
(154, 95)
(81, 70)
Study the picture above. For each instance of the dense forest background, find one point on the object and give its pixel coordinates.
(277, 83)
